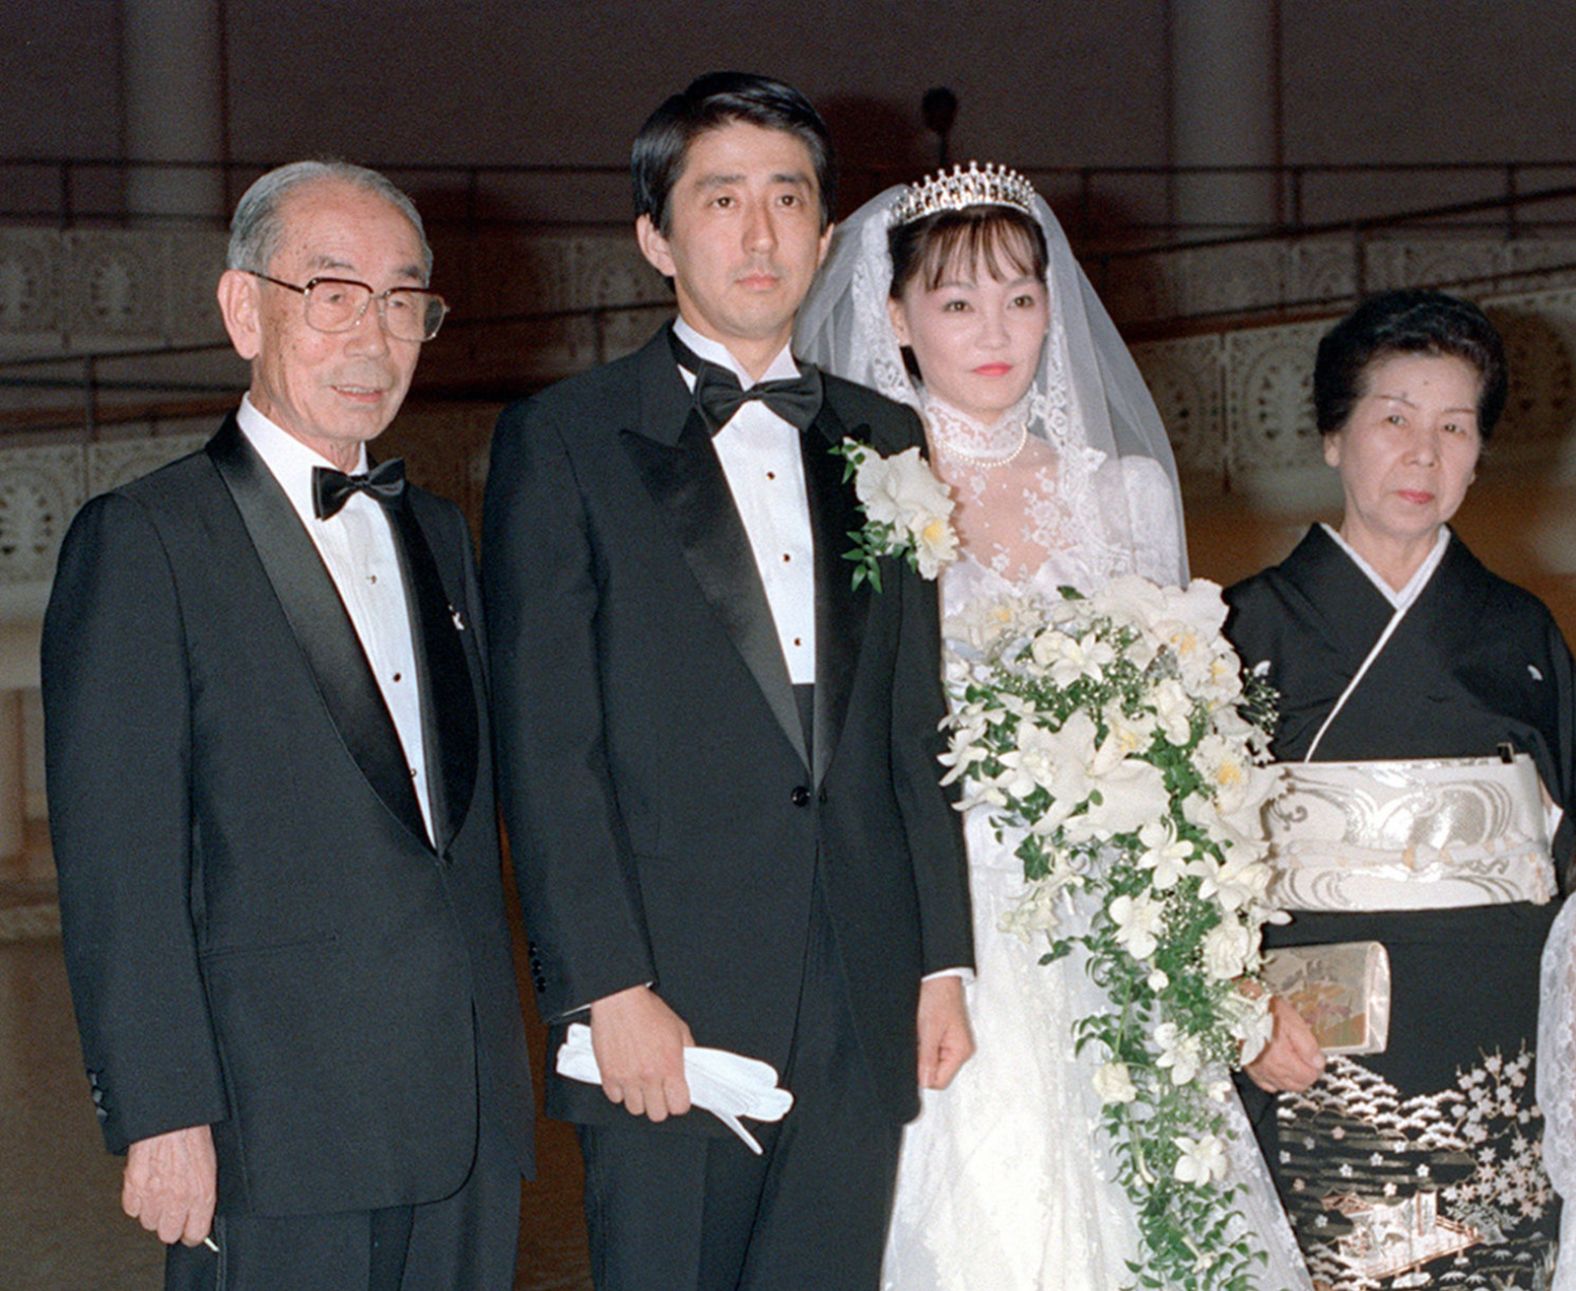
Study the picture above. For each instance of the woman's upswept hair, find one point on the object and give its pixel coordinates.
(1407, 322)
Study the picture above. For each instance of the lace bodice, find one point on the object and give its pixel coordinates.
(1029, 519)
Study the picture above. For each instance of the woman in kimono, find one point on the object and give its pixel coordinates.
(1426, 723)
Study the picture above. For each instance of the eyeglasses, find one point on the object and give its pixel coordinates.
(338, 304)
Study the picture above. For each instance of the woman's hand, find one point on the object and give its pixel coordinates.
(1292, 1060)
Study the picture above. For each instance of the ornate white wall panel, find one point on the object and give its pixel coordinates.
(30, 264)
(109, 465)
(1237, 403)
(40, 490)
(1186, 378)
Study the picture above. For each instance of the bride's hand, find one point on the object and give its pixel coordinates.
(945, 1041)
(1292, 1060)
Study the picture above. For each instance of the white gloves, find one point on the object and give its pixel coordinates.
(728, 1085)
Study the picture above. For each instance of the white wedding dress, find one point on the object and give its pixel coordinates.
(1005, 1182)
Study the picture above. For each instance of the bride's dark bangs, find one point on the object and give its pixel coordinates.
(1005, 243)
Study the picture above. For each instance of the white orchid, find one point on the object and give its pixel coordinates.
(1054, 760)
(1164, 853)
(1037, 912)
(897, 490)
(1133, 601)
(1180, 1053)
(1251, 1022)
(1138, 920)
(1201, 1160)
(1067, 658)
(1173, 710)
(1132, 794)
(1240, 882)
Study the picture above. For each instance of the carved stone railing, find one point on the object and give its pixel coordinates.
(1236, 401)
(103, 289)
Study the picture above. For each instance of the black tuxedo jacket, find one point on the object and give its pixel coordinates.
(665, 820)
(258, 932)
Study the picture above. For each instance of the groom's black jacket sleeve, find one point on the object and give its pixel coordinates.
(664, 826)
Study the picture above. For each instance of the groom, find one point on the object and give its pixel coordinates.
(718, 757)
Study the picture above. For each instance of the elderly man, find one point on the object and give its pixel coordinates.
(739, 841)
(271, 799)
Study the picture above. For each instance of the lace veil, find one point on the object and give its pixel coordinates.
(1087, 401)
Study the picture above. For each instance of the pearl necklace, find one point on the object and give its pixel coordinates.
(942, 418)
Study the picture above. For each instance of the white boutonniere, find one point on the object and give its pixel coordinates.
(907, 512)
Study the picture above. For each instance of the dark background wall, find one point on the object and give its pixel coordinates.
(554, 81)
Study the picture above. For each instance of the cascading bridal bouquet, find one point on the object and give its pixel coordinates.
(1115, 740)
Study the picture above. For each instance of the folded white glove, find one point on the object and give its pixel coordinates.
(728, 1085)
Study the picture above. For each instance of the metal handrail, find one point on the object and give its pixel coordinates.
(1359, 230)
(1292, 180)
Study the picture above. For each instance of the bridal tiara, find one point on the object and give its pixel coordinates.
(991, 186)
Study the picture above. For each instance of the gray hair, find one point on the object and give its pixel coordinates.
(256, 227)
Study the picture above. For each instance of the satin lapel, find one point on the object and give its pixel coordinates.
(319, 623)
(681, 472)
(840, 611)
(448, 710)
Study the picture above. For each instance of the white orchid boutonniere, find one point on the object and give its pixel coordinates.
(907, 512)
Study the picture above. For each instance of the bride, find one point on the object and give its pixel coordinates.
(960, 297)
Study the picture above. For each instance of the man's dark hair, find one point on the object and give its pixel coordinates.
(1407, 322)
(709, 102)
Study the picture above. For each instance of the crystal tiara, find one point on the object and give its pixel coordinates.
(991, 185)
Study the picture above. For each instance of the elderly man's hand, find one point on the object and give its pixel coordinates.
(171, 1184)
(1292, 1060)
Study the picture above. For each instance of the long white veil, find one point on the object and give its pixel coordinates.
(1088, 399)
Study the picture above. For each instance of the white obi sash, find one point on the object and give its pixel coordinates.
(1415, 835)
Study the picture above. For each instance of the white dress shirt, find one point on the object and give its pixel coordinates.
(357, 547)
(760, 457)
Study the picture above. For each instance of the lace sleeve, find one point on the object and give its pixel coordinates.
(1557, 1079)
(1138, 500)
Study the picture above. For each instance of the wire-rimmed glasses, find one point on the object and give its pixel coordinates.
(338, 304)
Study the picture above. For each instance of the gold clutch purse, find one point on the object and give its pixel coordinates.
(1342, 991)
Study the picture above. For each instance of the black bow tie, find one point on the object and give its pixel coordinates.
(719, 395)
(331, 489)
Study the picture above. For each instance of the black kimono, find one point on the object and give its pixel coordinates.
(1442, 1128)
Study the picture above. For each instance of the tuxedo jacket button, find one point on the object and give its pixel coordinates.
(800, 797)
